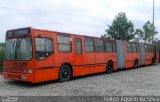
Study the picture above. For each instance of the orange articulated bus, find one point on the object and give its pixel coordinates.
(35, 55)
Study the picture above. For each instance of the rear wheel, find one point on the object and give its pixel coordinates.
(64, 73)
(153, 61)
(109, 68)
(136, 64)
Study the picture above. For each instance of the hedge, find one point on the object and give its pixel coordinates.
(1, 59)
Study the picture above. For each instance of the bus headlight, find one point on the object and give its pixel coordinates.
(28, 71)
(23, 77)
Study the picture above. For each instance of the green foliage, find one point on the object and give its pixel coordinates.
(139, 35)
(121, 28)
(2, 44)
(148, 28)
(105, 36)
(1, 59)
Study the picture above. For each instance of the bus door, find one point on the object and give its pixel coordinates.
(44, 53)
(120, 54)
(78, 51)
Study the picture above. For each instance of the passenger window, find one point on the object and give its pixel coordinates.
(134, 47)
(89, 45)
(157, 49)
(108, 46)
(114, 47)
(146, 48)
(99, 45)
(151, 48)
(78, 45)
(64, 43)
(44, 47)
(129, 47)
(137, 47)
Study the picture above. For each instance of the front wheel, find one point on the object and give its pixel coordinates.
(109, 68)
(64, 73)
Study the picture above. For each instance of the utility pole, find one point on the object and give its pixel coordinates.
(153, 25)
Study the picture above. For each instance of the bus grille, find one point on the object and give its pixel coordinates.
(14, 67)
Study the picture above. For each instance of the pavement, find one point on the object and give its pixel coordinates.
(140, 82)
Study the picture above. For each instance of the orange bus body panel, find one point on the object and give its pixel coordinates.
(130, 59)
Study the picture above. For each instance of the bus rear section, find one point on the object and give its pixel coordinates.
(150, 54)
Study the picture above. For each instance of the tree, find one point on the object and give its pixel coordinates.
(139, 35)
(2, 45)
(105, 36)
(1, 59)
(148, 28)
(121, 28)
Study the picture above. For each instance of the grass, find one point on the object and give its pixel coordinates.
(1, 59)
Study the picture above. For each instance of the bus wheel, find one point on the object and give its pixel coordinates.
(64, 73)
(136, 64)
(109, 68)
(153, 61)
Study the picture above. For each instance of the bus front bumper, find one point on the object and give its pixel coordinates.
(18, 76)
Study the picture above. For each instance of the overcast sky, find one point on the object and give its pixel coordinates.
(86, 17)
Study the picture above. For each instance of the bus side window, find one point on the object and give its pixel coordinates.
(134, 47)
(146, 48)
(78, 45)
(129, 48)
(152, 48)
(64, 43)
(137, 47)
(99, 45)
(44, 47)
(108, 46)
(89, 44)
(114, 46)
(149, 48)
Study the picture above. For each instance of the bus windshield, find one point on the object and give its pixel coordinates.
(18, 49)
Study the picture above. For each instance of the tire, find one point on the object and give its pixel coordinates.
(109, 68)
(136, 64)
(64, 73)
(153, 61)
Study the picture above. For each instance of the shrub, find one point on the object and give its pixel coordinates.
(1, 59)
